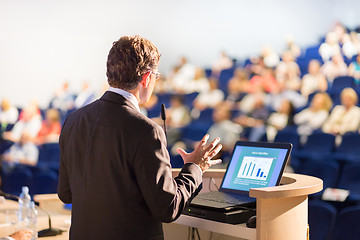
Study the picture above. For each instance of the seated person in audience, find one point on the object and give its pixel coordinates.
(330, 47)
(177, 116)
(85, 96)
(9, 114)
(238, 86)
(313, 81)
(345, 117)
(354, 69)
(200, 83)
(181, 76)
(63, 99)
(224, 62)
(224, 128)
(23, 152)
(292, 46)
(334, 68)
(50, 128)
(270, 57)
(29, 121)
(265, 80)
(255, 120)
(210, 98)
(348, 47)
(280, 119)
(288, 72)
(313, 117)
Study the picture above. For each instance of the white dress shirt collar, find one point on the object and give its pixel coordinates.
(126, 95)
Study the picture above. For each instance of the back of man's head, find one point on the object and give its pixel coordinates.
(129, 59)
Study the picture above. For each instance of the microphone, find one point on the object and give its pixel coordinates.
(49, 232)
(163, 117)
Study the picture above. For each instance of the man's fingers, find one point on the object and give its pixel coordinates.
(215, 151)
(212, 144)
(203, 141)
(182, 152)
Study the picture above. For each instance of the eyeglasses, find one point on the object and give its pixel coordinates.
(157, 74)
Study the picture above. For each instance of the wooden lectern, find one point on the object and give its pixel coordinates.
(282, 211)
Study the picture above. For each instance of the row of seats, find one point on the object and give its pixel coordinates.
(326, 223)
(39, 181)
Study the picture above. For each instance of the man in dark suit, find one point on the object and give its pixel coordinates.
(115, 168)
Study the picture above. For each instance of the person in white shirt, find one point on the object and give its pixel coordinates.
(8, 113)
(345, 117)
(210, 98)
(314, 80)
(313, 117)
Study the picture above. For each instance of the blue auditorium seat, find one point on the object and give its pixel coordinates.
(350, 180)
(14, 180)
(319, 146)
(327, 171)
(224, 78)
(43, 182)
(348, 224)
(349, 149)
(322, 217)
(49, 156)
(340, 83)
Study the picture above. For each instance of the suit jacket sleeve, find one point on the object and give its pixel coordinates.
(165, 196)
(64, 191)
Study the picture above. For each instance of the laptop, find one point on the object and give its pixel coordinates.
(252, 165)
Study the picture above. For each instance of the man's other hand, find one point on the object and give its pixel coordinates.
(202, 154)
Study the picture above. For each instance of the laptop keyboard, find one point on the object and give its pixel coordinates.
(225, 198)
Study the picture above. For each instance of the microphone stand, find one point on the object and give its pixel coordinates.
(48, 232)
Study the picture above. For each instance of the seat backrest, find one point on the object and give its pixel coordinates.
(327, 171)
(288, 136)
(321, 142)
(350, 178)
(13, 181)
(44, 182)
(350, 144)
(348, 224)
(322, 217)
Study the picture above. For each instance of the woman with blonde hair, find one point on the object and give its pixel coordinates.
(313, 117)
(345, 117)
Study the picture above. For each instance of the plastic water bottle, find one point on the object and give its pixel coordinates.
(24, 206)
(32, 223)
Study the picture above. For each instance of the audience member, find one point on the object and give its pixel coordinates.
(280, 119)
(254, 122)
(270, 57)
(9, 114)
(345, 117)
(265, 80)
(330, 47)
(224, 128)
(288, 72)
(23, 152)
(29, 121)
(182, 75)
(348, 47)
(313, 81)
(224, 62)
(334, 68)
(85, 96)
(313, 117)
(63, 99)
(354, 69)
(200, 83)
(210, 98)
(50, 128)
(238, 86)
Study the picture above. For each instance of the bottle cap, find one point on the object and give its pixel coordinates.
(25, 189)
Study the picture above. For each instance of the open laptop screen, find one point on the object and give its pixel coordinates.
(255, 165)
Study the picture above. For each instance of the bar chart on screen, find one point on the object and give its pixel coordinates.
(255, 167)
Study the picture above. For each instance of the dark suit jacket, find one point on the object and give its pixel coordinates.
(115, 170)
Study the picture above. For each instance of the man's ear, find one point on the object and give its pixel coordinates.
(145, 80)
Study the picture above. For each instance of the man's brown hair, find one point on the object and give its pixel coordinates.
(129, 59)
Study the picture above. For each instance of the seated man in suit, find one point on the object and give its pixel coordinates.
(115, 168)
